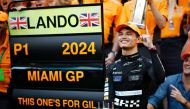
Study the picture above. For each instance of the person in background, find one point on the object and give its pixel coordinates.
(186, 19)
(111, 16)
(41, 3)
(4, 5)
(156, 15)
(171, 42)
(15, 5)
(176, 87)
(4, 54)
(112, 11)
(186, 5)
(127, 79)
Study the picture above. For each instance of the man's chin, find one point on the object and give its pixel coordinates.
(187, 72)
(126, 48)
(5, 8)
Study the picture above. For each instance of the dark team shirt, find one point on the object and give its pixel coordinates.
(128, 80)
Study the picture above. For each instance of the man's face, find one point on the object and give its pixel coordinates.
(5, 4)
(186, 65)
(127, 38)
(39, 3)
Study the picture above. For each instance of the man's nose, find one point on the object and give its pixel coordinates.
(124, 36)
(187, 61)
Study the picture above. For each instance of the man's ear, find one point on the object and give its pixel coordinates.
(139, 40)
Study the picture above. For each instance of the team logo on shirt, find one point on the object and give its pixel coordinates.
(117, 78)
(127, 103)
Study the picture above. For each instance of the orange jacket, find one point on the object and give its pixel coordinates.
(177, 19)
(74, 2)
(112, 11)
(90, 1)
(127, 13)
(185, 4)
(5, 64)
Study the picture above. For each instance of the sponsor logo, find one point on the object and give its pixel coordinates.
(127, 103)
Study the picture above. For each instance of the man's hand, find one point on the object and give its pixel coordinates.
(147, 41)
(150, 106)
(176, 94)
(110, 59)
(159, 18)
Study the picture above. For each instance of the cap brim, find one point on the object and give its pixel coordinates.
(185, 55)
(135, 29)
(186, 48)
(121, 26)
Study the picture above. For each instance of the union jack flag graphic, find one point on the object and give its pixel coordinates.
(89, 19)
(18, 23)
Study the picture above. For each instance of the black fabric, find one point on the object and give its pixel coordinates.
(80, 2)
(170, 49)
(108, 48)
(157, 38)
(123, 1)
(144, 51)
(131, 73)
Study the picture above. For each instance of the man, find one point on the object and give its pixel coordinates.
(14, 5)
(4, 54)
(41, 3)
(176, 87)
(172, 42)
(112, 11)
(111, 15)
(4, 5)
(156, 15)
(128, 79)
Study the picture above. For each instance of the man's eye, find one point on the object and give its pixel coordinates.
(120, 34)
